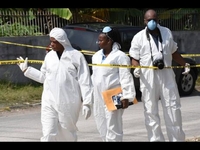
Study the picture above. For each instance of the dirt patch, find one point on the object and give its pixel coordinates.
(196, 92)
(197, 88)
(195, 139)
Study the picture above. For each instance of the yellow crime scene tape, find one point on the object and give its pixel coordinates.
(10, 62)
(86, 52)
(129, 66)
(183, 55)
(41, 47)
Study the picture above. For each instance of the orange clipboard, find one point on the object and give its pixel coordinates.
(112, 98)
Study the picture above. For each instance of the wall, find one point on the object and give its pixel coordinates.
(11, 52)
(188, 42)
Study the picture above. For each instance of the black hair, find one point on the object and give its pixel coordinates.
(114, 34)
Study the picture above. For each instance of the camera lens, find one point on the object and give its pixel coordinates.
(160, 65)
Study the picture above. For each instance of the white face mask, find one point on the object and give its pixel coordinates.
(151, 24)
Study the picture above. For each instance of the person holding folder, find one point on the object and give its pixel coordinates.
(109, 122)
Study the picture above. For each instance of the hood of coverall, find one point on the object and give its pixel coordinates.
(60, 36)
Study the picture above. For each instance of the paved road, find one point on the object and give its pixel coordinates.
(24, 125)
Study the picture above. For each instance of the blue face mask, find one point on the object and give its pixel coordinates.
(151, 25)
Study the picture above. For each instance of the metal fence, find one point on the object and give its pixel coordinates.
(22, 23)
(182, 21)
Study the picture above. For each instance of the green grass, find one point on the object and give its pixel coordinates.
(14, 94)
(198, 81)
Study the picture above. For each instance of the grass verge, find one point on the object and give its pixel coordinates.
(15, 94)
(21, 94)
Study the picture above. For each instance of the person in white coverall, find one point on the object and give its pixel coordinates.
(109, 123)
(66, 86)
(154, 46)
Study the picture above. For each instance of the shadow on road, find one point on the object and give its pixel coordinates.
(196, 92)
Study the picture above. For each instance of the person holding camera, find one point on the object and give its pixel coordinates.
(155, 47)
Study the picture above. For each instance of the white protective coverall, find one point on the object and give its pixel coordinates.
(109, 123)
(155, 84)
(66, 85)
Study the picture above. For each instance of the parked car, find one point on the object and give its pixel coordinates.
(84, 36)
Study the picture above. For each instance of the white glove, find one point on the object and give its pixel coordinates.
(187, 69)
(136, 72)
(86, 111)
(23, 66)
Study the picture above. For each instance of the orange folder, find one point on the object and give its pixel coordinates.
(112, 98)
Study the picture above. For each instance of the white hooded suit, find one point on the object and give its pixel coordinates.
(66, 85)
(158, 84)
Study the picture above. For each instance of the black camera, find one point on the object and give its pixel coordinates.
(159, 63)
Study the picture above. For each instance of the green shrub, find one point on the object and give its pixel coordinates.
(16, 29)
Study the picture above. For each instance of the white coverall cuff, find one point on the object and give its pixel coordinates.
(87, 104)
(129, 99)
(33, 74)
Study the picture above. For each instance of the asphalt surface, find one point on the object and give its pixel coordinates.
(24, 124)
